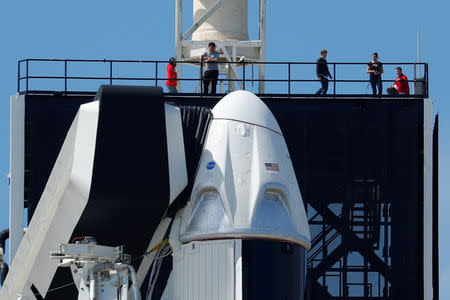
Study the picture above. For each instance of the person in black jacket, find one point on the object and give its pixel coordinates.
(322, 72)
(375, 69)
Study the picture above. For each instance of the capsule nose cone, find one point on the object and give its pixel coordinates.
(245, 107)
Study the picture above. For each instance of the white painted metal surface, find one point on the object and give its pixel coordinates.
(203, 271)
(99, 272)
(245, 186)
(17, 167)
(428, 199)
(245, 107)
(175, 150)
(229, 22)
(59, 209)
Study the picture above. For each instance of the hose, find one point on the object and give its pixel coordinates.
(135, 285)
(164, 251)
(133, 276)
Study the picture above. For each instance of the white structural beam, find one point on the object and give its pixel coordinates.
(203, 18)
(262, 50)
(252, 43)
(428, 199)
(178, 38)
(232, 66)
(175, 150)
(17, 173)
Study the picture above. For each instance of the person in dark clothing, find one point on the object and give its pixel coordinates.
(211, 74)
(375, 69)
(322, 72)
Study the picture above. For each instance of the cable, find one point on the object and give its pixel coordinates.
(157, 247)
(164, 251)
(57, 288)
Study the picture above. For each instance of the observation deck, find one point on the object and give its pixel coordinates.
(282, 79)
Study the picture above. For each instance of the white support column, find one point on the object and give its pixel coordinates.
(231, 84)
(238, 270)
(17, 173)
(262, 38)
(234, 59)
(178, 38)
(232, 66)
(428, 121)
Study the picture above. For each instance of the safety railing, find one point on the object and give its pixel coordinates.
(281, 78)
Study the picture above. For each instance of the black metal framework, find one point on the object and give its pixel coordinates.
(350, 255)
(155, 66)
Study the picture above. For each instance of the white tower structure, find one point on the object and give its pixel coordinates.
(224, 22)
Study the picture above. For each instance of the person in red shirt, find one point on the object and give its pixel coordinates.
(171, 74)
(400, 85)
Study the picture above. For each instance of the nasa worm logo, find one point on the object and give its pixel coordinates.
(211, 165)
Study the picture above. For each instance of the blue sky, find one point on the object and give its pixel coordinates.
(296, 30)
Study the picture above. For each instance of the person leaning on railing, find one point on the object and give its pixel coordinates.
(211, 57)
(400, 85)
(171, 81)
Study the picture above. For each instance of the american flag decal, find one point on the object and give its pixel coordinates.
(272, 167)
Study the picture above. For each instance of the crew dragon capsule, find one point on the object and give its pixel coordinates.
(244, 232)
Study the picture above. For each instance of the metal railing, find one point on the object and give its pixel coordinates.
(243, 73)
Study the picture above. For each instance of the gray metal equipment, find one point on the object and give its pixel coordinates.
(99, 272)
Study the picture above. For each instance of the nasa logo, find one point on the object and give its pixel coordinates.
(211, 165)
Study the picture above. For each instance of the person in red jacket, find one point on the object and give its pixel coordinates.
(400, 85)
(171, 75)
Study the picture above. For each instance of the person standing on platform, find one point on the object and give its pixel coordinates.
(375, 69)
(211, 74)
(322, 72)
(171, 81)
(400, 85)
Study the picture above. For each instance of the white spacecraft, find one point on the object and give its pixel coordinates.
(242, 234)
(245, 200)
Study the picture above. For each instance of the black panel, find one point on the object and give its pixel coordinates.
(273, 270)
(47, 121)
(63, 286)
